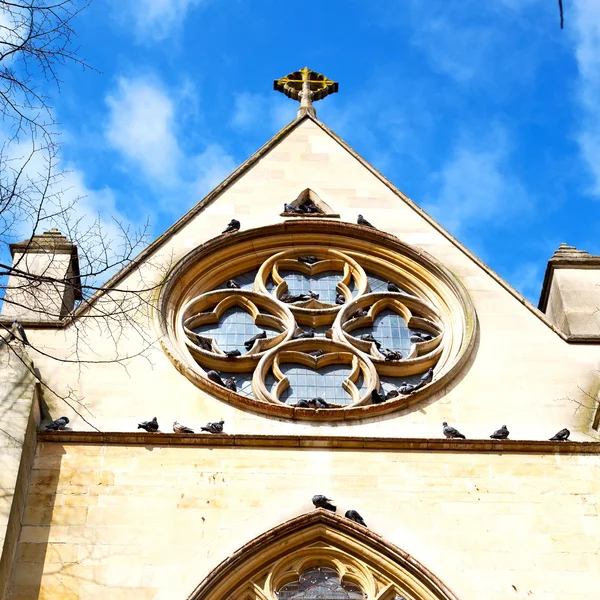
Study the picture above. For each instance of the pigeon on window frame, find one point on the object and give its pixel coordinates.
(234, 225)
(59, 423)
(321, 501)
(362, 221)
(353, 515)
(259, 336)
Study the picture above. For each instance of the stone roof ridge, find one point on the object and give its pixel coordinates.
(566, 251)
(51, 240)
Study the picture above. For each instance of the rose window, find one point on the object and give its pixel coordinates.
(314, 324)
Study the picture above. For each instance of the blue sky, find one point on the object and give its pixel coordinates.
(485, 113)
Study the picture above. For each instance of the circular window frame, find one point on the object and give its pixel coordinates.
(249, 249)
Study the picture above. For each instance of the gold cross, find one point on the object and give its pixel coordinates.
(306, 86)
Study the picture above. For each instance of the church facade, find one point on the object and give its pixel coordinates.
(330, 347)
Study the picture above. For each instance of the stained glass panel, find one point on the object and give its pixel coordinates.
(320, 583)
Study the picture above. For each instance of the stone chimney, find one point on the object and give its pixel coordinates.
(45, 283)
(570, 295)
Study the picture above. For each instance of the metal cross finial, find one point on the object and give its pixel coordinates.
(306, 86)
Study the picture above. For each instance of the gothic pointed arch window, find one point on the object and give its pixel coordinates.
(321, 556)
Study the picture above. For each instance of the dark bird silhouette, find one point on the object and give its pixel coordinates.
(362, 221)
(290, 208)
(308, 260)
(417, 337)
(304, 335)
(316, 353)
(60, 423)
(204, 343)
(392, 394)
(18, 332)
(319, 403)
(303, 404)
(407, 388)
(426, 377)
(361, 312)
(230, 384)
(392, 287)
(376, 397)
(232, 284)
(179, 428)
(354, 516)
(233, 353)
(368, 337)
(311, 207)
(500, 434)
(392, 354)
(321, 501)
(561, 436)
(340, 299)
(291, 298)
(259, 336)
(215, 377)
(149, 426)
(234, 225)
(214, 427)
(313, 295)
(452, 433)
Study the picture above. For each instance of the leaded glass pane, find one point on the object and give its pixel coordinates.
(245, 281)
(320, 583)
(323, 284)
(390, 329)
(243, 381)
(325, 383)
(376, 283)
(233, 329)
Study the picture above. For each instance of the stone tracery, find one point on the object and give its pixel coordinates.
(367, 340)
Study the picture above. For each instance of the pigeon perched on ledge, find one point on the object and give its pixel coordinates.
(232, 284)
(452, 433)
(353, 515)
(561, 436)
(179, 428)
(149, 426)
(259, 336)
(362, 221)
(234, 225)
(291, 209)
(233, 353)
(204, 343)
(321, 501)
(377, 398)
(214, 427)
(340, 299)
(500, 434)
(368, 337)
(392, 354)
(361, 312)
(59, 423)
(308, 260)
(215, 377)
(304, 335)
(392, 287)
(230, 384)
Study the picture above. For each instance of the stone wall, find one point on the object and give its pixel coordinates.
(150, 522)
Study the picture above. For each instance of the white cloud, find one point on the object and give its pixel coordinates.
(475, 187)
(251, 111)
(140, 125)
(154, 20)
(587, 42)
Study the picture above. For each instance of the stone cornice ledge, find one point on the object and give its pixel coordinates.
(314, 441)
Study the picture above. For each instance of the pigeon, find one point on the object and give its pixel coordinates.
(204, 343)
(313, 295)
(214, 427)
(215, 377)
(392, 354)
(319, 403)
(392, 394)
(303, 404)
(417, 337)
(500, 434)
(316, 353)
(308, 260)
(354, 516)
(259, 336)
(321, 501)
(362, 221)
(452, 433)
(290, 208)
(179, 428)
(149, 426)
(376, 397)
(340, 299)
(60, 423)
(392, 287)
(233, 353)
(310, 207)
(291, 298)
(304, 335)
(368, 337)
(232, 284)
(561, 436)
(361, 312)
(234, 225)
(407, 388)
(230, 384)
(18, 332)
(426, 377)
